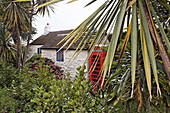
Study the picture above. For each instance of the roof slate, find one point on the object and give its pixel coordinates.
(43, 39)
(50, 41)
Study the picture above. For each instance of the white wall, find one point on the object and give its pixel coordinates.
(70, 66)
(67, 65)
(49, 53)
(33, 50)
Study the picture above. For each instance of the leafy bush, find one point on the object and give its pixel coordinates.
(65, 96)
(7, 102)
(30, 78)
(21, 85)
(7, 75)
(37, 90)
(38, 63)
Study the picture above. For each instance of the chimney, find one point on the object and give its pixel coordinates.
(47, 29)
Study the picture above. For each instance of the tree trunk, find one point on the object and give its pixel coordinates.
(18, 47)
(17, 41)
(29, 35)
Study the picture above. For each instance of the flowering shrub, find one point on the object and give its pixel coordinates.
(17, 88)
(40, 64)
(36, 91)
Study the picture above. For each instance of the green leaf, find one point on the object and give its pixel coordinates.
(112, 47)
(164, 36)
(149, 44)
(90, 3)
(134, 38)
(146, 60)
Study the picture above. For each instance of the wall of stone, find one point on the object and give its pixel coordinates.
(70, 66)
(67, 65)
(33, 50)
(49, 53)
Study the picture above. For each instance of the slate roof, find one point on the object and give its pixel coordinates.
(43, 39)
(50, 40)
(52, 44)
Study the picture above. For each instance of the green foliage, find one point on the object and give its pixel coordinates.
(37, 92)
(64, 96)
(7, 49)
(7, 75)
(38, 63)
(7, 102)
(31, 78)
(21, 85)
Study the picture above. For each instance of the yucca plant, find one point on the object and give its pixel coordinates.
(31, 12)
(7, 49)
(15, 19)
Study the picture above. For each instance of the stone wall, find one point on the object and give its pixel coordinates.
(67, 65)
(49, 53)
(70, 66)
(33, 49)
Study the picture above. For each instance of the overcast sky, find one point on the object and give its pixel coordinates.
(66, 16)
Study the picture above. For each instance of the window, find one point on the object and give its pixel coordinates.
(39, 50)
(60, 56)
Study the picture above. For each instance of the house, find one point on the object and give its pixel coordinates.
(46, 46)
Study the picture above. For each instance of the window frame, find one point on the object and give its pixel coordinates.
(60, 56)
(39, 51)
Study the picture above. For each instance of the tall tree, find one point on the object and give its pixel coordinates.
(15, 19)
(18, 17)
(32, 12)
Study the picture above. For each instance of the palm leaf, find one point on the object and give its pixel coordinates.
(146, 60)
(71, 1)
(164, 36)
(159, 43)
(134, 37)
(81, 28)
(90, 3)
(113, 43)
(125, 42)
(48, 3)
(149, 44)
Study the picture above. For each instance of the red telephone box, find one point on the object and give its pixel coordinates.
(96, 61)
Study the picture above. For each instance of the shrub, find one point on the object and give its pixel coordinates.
(7, 75)
(21, 86)
(24, 88)
(65, 96)
(7, 102)
(38, 63)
